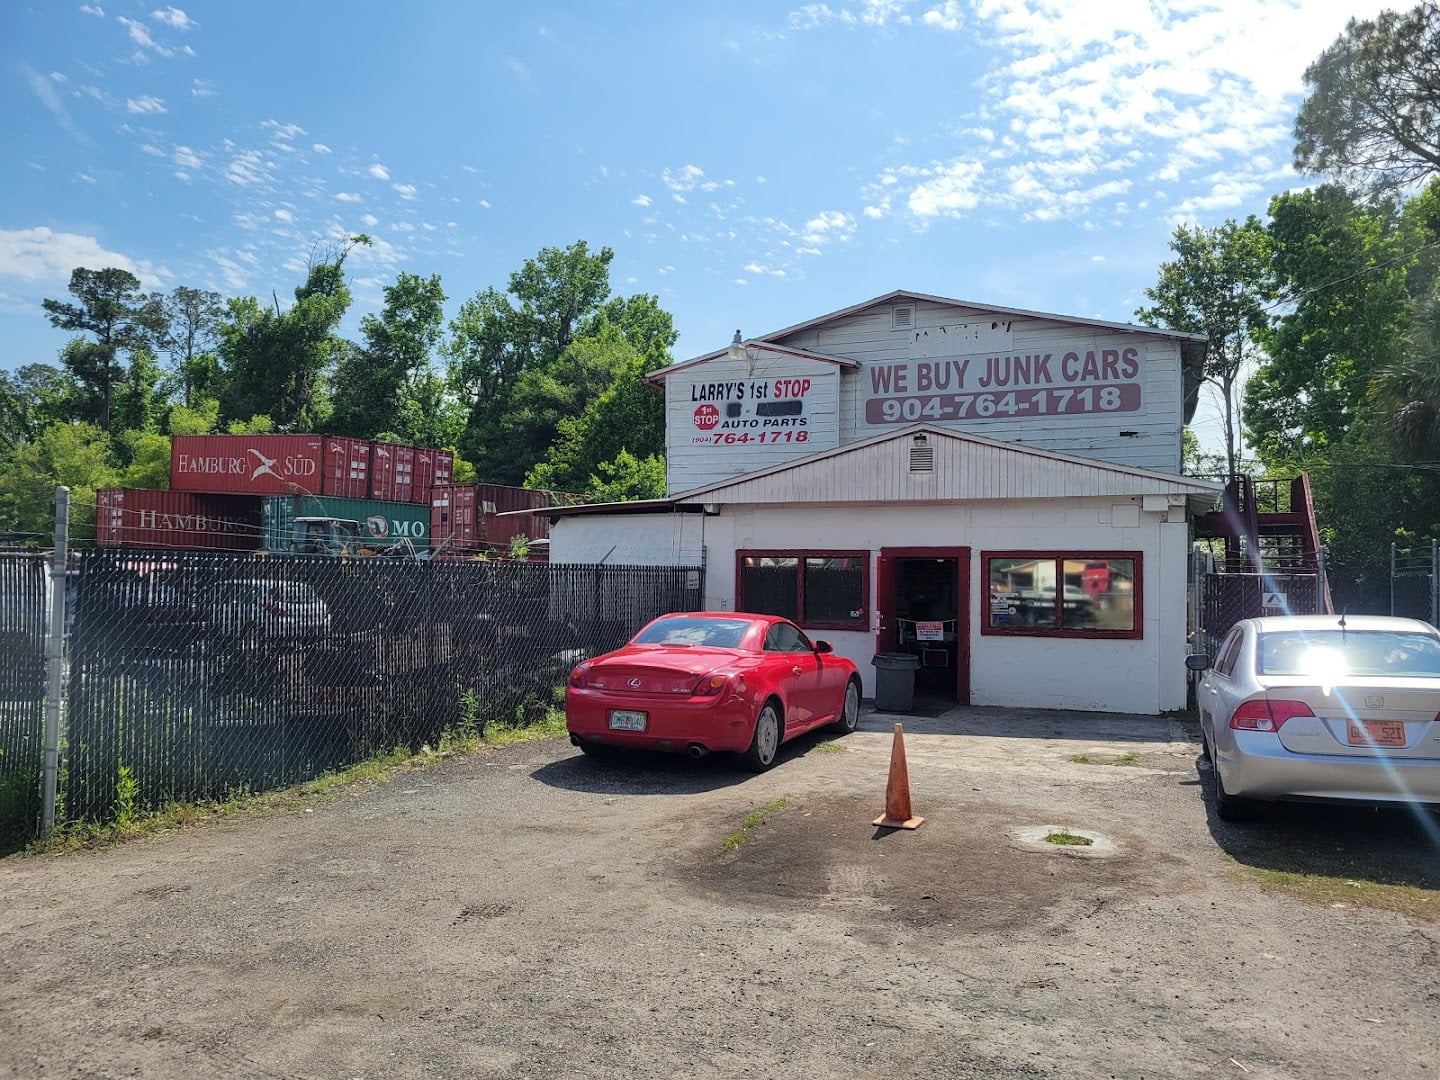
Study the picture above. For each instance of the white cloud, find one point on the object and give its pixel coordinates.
(187, 158)
(285, 216)
(946, 16)
(320, 148)
(826, 226)
(282, 131)
(202, 88)
(684, 178)
(145, 104)
(140, 35)
(369, 221)
(347, 196)
(173, 16)
(92, 9)
(379, 172)
(485, 204)
(948, 191)
(42, 255)
(640, 200)
(877, 13)
(406, 191)
(44, 89)
(85, 178)
(248, 168)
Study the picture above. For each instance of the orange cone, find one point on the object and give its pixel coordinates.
(897, 790)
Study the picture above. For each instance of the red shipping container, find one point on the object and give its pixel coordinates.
(347, 468)
(248, 464)
(400, 473)
(463, 517)
(149, 518)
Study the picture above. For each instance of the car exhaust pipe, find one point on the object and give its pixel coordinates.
(696, 751)
(574, 739)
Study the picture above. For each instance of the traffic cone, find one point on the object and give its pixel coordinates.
(897, 791)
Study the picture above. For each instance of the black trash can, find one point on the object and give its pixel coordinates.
(895, 680)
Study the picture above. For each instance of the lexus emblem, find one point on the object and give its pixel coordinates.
(1374, 701)
(634, 683)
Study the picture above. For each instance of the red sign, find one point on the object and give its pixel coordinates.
(707, 417)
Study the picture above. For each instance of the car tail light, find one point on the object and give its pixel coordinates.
(714, 684)
(1264, 715)
(579, 675)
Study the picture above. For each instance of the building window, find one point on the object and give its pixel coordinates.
(1063, 594)
(822, 590)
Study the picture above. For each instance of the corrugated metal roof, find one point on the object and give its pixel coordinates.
(962, 467)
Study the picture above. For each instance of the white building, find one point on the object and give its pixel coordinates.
(996, 491)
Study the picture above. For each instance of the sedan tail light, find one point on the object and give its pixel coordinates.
(579, 675)
(714, 684)
(1264, 715)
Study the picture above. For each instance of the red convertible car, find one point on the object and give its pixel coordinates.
(704, 681)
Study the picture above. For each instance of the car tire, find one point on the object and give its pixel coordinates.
(765, 743)
(1230, 807)
(1206, 753)
(595, 749)
(849, 709)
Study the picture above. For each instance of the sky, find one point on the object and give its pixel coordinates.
(752, 164)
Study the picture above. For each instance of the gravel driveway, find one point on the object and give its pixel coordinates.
(531, 913)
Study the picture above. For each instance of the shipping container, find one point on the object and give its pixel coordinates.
(150, 518)
(463, 517)
(382, 524)
(401, 473)
(247, 464)
(347, 468)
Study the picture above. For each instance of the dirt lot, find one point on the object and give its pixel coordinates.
(531, 913)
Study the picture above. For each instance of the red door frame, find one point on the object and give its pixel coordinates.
(885, 582)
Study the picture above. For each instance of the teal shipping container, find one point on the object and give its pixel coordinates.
(382, 524)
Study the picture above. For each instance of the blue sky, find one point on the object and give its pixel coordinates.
(752, 164)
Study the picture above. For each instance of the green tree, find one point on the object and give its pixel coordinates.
(1373, 110)
(202, 418)
(1217, 285)
(1407, 391)
(137, 401)
(111, 305)
(148, 457)
(1342, 262)
(76, 455)
(31, 399)
(630, 415)
(273, 360)
(372, 382)
(627, 478)
(190, 335)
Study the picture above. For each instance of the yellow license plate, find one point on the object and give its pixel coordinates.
(1375, 733)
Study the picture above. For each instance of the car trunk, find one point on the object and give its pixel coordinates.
(1356, 717)
(657, 669)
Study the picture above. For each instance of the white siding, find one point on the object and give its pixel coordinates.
(1145, 675)
(1149, 438)
(694, 452)
(628, 540)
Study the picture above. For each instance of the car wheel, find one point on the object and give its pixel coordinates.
(595, 749)
(765, 743)
(1230, 807)
(850, 710)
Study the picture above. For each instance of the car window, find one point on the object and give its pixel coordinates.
(786, 638)
(1229, 653)
(688, 630)
(1398, 654)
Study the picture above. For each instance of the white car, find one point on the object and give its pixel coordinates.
(1329, 707)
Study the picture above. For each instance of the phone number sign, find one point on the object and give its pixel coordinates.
(1061, 401)
(750, 412)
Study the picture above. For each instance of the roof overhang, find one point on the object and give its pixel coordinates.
(753, 346)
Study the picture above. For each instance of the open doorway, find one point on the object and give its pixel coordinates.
(922, 596)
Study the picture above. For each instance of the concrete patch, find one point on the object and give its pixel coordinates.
(1032, 838)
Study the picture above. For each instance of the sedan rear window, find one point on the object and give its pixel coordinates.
(717, 633)
(1335, 652)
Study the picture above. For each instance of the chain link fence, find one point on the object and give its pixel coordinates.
(23, 595)
(1415, 582)
(193, 675)
(1221, 599)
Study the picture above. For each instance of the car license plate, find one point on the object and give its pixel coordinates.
(1375, 733)
(621, 720)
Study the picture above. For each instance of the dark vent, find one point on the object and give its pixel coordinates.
(922, 458)
(902, 317)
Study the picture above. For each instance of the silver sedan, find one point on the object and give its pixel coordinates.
(1322, 707)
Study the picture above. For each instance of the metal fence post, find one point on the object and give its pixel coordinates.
(1321, 582)
(55, 659)
(1434, 582)
(1392, 577)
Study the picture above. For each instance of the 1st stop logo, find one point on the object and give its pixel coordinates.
(707, 417)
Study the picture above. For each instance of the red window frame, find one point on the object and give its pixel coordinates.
(862, 622)
(1059, 630)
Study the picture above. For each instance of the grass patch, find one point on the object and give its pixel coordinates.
(828, 746)
(1065, 838)
(1414, 900)
(753, 821)
(1128, 758)
(132, 823)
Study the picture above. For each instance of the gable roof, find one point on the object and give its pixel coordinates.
(1192, 346)
(965, 467)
